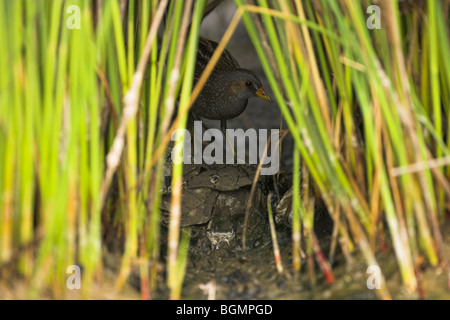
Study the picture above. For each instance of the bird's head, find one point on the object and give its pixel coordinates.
(245, 85)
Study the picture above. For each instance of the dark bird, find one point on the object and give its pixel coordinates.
(227, 90)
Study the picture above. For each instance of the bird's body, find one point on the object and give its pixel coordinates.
(206, 49)
(227, 90)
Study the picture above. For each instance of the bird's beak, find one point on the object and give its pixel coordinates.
(263, 95)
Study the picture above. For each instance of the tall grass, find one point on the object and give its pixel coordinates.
(52, 160)
(85, 118)
(82, 113)
(326, 68)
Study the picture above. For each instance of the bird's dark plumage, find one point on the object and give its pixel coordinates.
(226, 93)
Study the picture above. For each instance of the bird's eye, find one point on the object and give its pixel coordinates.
(248, 83)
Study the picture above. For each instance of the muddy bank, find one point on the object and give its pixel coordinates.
(236, 274)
